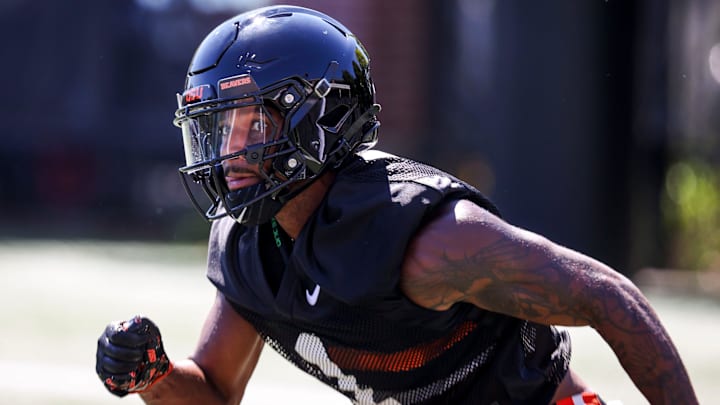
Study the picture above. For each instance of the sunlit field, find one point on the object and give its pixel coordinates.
(56, 298)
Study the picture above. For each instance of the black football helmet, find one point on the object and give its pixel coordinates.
(280, 95)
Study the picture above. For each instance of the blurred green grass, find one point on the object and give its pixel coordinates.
(57, 296)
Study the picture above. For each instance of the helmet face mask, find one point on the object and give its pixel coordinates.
(265, 107)
(233, 150)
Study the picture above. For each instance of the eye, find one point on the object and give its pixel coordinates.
(224, 129)
(258, 125)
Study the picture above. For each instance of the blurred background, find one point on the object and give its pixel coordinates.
(592, 122)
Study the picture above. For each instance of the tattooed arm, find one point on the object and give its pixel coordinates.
(467, 254)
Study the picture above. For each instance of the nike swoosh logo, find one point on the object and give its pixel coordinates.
(312, 298)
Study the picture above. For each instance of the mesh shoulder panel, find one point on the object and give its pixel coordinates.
(399, 169)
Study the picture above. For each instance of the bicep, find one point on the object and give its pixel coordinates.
(228, 349)
(469, 255)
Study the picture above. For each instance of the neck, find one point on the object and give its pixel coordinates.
(295, 213)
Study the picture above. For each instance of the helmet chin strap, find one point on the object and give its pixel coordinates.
(259, 213)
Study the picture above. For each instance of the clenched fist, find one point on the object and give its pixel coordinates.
(130, 356)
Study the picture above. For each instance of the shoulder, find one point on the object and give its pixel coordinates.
(425, 271)
(455, 249)
(451, 226)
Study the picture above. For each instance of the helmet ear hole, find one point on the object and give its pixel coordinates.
(334, 120)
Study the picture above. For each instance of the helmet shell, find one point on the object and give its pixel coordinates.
(279, 43)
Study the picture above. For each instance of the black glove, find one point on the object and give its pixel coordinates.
(130, 356)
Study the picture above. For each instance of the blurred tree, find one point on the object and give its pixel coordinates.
(692, 212)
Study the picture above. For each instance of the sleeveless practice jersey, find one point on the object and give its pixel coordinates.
(331, 304)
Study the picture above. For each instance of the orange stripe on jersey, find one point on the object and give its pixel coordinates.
(405, 360)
